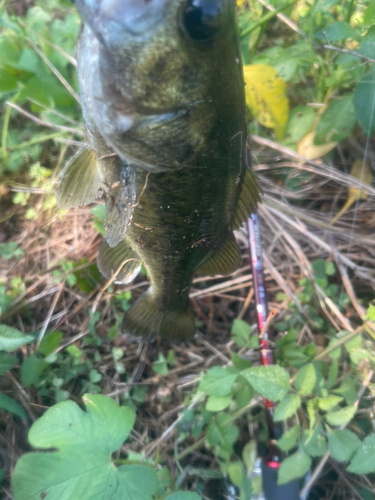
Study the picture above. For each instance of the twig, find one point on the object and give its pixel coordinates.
(284, 19)
(43, 123)
(50, 312)
(57, 73)
(351, 52)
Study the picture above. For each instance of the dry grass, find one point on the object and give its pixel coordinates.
(296, 231)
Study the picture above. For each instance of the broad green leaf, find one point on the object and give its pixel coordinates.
(266, 97)
(239, 362)
(369, 15)
(305, 380)
(221, 430)
(50, 342)
(7, 403)
(244, 392)
(347, 389)
(364, 459)
(7, 361)
(341, 417)
(31, 369)
(249, 455)
(8, 81)
(342, 444)
(82, 463)
(329, 402)
(183, 495)
(333, 374)
(218, 381)
(241, 332)
(300, 121)
(218, 403)
(287, 407)
(337, 121)
(313, 441)
(364, 103)
(11, 339)
(160, 365)
(272, 382)
(289, 438)
(293, 467)
(235, 471)
(336, 31)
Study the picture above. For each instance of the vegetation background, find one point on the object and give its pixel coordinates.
(179, 418)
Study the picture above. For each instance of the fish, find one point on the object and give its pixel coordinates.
(164, 109)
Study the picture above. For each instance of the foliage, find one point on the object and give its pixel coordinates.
(82, 463)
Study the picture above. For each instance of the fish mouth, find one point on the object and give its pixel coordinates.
(110, 18)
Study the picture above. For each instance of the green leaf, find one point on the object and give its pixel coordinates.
(160, 366)
(347, 389)
(218, 403)
(7, 403)
(369, 15)
(7, 361)
(300, 121)
(337, 121)
(329, 402)
(272, 382)
(31, 370)
(293, 467)
(313, 441)
(333, 374)
(8, 81)
(50, 342)
(82, 463)
(336, 31)
(305, 380)
(287, 407)
(218, 381)
(239, 362)
(341, 417)
(11, 339)
(289, 438)
(183, 495)
(342, 444)
(364, 459)
(241, 332)
(364, 96)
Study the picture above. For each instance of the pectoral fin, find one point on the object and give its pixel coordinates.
(224, 261)
(81, 181)
(248, 199)
(121, 257)
(120, 203)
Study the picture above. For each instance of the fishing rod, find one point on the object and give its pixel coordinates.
(273, 459)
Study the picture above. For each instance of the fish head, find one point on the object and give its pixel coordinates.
(162, 73)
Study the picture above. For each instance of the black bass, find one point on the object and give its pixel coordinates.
(164, 109)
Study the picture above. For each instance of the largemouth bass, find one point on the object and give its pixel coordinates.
(164, 109)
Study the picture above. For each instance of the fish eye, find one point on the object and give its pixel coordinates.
(201, 19)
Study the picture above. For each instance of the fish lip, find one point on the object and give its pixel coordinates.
(138, 18)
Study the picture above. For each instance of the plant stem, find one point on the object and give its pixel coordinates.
(350, 11)
(266, 18)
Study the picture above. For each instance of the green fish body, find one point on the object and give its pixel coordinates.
(164, 108)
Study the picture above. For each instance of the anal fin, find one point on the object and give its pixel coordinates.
(224, 261)
(111, 259)
(248, 199)
(81, 182)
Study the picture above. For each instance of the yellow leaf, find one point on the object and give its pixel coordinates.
(266, 97)
(361, 171)
(310, 151)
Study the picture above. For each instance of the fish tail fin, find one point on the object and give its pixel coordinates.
(148, 319)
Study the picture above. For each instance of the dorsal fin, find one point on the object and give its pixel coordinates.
(81, 182)
(248, 199)
(110, 260)
(224, 261)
